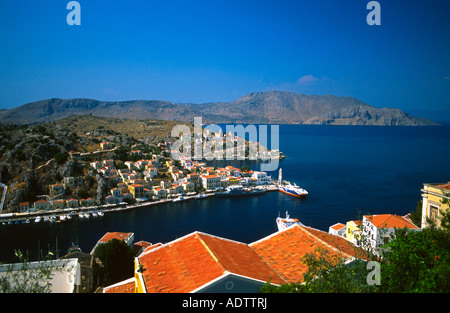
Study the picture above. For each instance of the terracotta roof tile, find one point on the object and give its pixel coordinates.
(126, 286)
(390, 221)
(180, 266)
(190, 262)
(285, 251)
(114, 235)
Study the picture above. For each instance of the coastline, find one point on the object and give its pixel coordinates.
(20, 218)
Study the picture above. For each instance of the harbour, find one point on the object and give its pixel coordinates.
(339, 186)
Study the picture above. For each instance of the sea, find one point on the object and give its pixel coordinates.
(347, 170)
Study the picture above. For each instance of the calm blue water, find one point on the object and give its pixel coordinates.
(346, 170)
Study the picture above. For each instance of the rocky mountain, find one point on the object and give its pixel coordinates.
(273, 107)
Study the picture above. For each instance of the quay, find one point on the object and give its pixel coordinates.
(30, 217)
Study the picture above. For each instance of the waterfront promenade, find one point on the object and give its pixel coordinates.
(30, 217)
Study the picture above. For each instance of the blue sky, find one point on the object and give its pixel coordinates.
(200, 51)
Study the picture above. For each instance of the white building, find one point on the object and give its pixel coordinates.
(65, 274)
(261, 178)
(378, 229)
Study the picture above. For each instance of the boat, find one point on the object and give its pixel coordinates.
(81, 215)
(86, 214)
(290, 189)
(293, 190)
(233, 191)
(62, 217)
(38, 219)
(285, 223)
(46, 219)
(100, 213)
(94, 213)
(52, 218)
(201, 196)
(178, 199)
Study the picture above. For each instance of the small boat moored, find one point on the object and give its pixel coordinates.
(285, 223)
(180, 198)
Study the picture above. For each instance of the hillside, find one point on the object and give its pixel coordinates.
(34, 156)
(272, 107)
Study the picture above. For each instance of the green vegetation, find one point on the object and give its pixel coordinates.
(117, 259)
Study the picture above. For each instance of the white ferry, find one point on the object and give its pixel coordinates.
(284, 223)
(290, 189)
(293, 190)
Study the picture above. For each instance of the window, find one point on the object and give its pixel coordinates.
(434, 212)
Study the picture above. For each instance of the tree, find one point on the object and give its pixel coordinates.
(417, 261)
(117, 259)
(61, 157)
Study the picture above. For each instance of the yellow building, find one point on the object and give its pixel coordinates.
(353, 233)
(435, 201)
(136, 190)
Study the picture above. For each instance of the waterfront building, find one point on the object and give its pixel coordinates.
(42, 205)
(435, 201)
(24, 207)
(159, 193)
(377, 230)
(200, 262)
(87, 202)
(176, 189)
(137, 190)
(58, 204)
(261, 178)
(110, 199)
(210, 182)
(72, 203)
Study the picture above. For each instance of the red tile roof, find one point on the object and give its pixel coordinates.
(390, 221)
(444, 186)
(126, 286)
(192, 261)
(285, 251)
(114, 235)
(338, 226)
(195, 260)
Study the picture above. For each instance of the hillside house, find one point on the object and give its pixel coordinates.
(377, 230)
(56, 190)
(435, 201)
